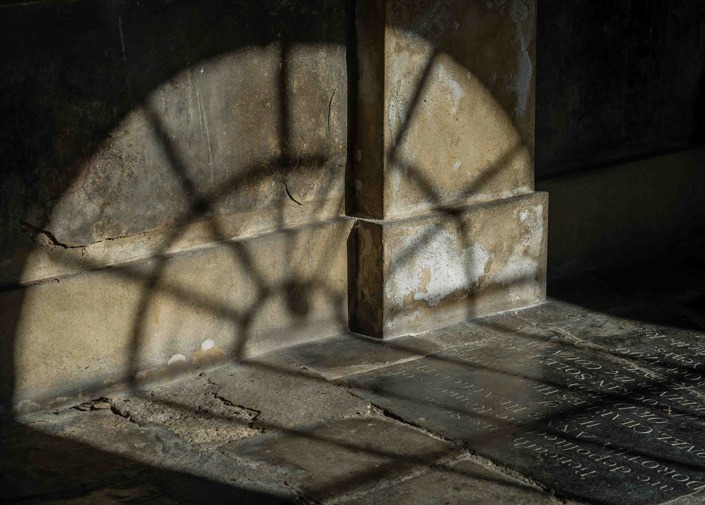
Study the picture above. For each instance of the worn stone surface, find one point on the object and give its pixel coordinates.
(446, 268)
(573, 321)
(147, 117)
(100, 457)
(190, 408)
(349, 354)
(154, 318)
(464, 71)
(590, 406)
(587, 424)
(283, 394)
(336, 458)
(459, 482)
(138, 447)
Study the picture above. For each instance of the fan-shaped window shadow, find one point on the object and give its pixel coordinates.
(117, 141)
(135, 150)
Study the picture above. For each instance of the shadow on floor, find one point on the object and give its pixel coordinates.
(41, 468)
(667, 290)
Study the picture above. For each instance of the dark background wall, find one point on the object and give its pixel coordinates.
(617, 80)
(123, 117)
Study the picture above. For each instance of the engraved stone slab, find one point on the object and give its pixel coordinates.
(588, 424)
(460, 482)
(334, 458)
(670, 349)
(349, 353)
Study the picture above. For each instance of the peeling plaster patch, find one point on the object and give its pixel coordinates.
(435, 270)
(522, 82)
(176, 358)
(521, 265)
(455, 89)
(496, 4)
(207, 344)
(396, 116)
(533, 221)
(519, 12)
(519, 268)
(456, 165)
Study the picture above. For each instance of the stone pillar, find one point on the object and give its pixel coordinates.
(448, 224)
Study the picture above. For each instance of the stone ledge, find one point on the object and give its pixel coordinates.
(35, 263)
(149, 319)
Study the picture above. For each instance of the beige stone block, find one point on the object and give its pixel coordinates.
(219, 124)
(418, 274)
(86, 332)
(214, 133)
(446, 104)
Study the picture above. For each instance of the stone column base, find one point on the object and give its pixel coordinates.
(415, 274)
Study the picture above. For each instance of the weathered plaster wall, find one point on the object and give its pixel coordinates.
(442, 159)
(154, 318)
(122, 119)
(173, 174)
(453, 86)
(177, 178)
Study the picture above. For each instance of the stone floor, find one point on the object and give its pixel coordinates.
(595, 397)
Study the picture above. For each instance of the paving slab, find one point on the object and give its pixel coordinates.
(668, 348)
(189, 408)
(685, 313)
(351, 353)
(692, 499)
(576, 322)
(282, 393)
(587, 424)
(96, 456)
(459, 482)
(335, 458)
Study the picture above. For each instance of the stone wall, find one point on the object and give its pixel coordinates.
(620, 116)
(173, 174)
(617, 81)
(179, 186)
(191, 121)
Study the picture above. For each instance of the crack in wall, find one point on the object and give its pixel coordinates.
(49, 239)
(288, 193)
(330, 107)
